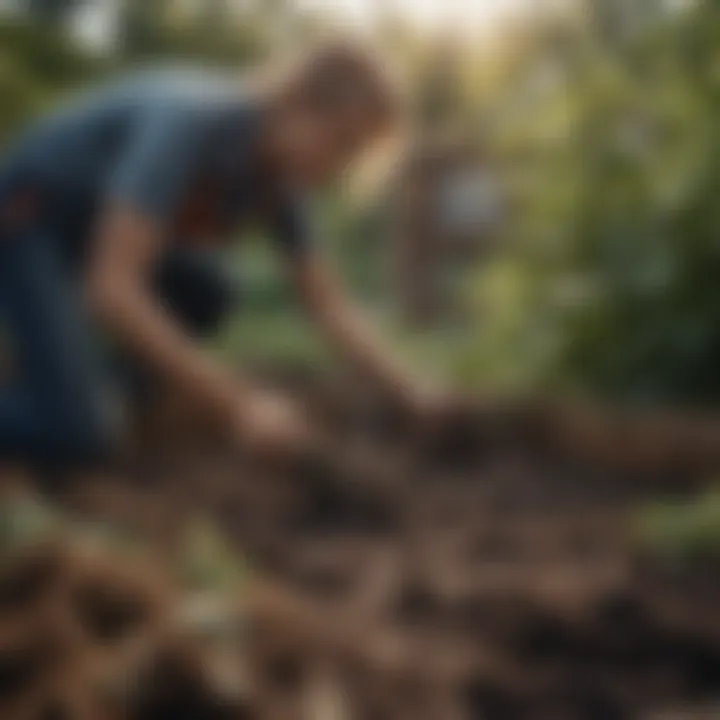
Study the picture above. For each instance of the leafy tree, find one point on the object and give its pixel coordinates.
(617, 245)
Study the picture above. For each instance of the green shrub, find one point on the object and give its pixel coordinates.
(682, 531)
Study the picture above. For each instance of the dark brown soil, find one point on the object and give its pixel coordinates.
(485, 569)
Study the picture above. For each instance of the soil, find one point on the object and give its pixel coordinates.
(486, 568)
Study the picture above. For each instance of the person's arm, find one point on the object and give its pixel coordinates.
(126, 249)
(348, 329)
(142, 197)
(323, 297)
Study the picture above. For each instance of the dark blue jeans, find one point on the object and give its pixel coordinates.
(61, 406)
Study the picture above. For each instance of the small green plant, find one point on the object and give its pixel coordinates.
(26, 520)
(682, 531)
(208, 562)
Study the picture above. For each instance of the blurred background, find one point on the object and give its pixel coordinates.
(547, 231)
(553, 223)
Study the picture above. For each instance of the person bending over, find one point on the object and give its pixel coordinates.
(107, 210)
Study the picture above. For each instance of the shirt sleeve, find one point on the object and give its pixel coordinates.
(291, 228)
(159, 162)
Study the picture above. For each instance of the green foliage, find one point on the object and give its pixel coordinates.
(36, 64)
(208, 563)
(26, 521)
(41, 60)
(47, 56)
(681, 532)
(611, 283)
(160, 30)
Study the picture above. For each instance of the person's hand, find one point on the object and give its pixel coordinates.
(269, 425)
(423, 400)
(430, 407)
